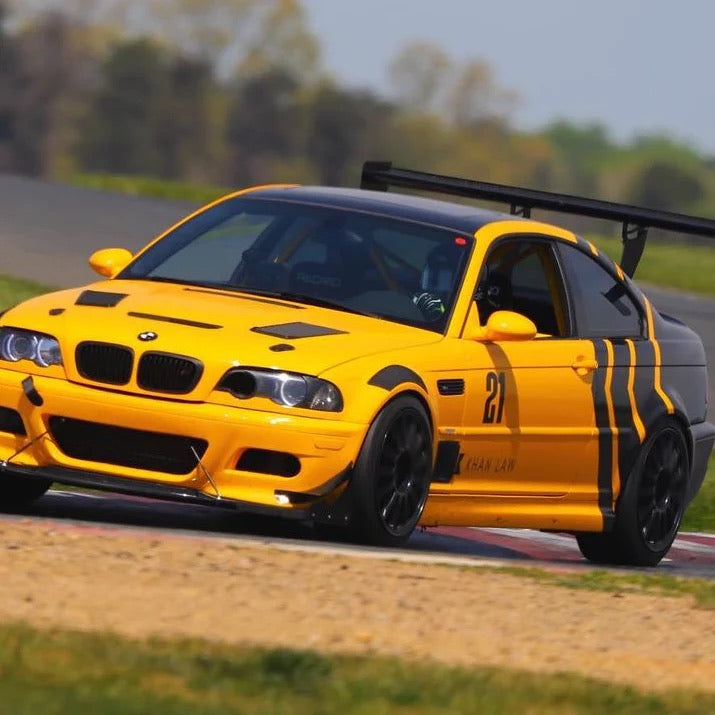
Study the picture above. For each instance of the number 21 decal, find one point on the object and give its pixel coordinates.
(494, 406)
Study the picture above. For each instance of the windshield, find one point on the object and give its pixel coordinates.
(364, 263)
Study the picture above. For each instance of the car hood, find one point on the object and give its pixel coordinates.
(222, 329)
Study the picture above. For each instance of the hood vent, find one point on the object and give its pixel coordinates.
(99, 298)
(291, 331)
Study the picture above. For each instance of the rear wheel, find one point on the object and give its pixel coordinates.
(392, 475)
(650, 509)
(598, 548)
(16, 491)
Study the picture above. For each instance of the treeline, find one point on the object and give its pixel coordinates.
(232, 92)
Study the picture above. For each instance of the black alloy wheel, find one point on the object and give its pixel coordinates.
(402, 473)
(651, 506)
(392, 476)
(662, 489)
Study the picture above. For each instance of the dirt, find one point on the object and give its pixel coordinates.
(141, 583)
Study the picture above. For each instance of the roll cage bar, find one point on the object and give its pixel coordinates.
(635, 220)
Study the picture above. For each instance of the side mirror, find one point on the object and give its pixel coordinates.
(507, 325)
(501, 325)
(109, 261)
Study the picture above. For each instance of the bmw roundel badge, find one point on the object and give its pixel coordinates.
(147, 335)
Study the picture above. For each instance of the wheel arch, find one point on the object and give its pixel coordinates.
(409, 392)
(678, 417)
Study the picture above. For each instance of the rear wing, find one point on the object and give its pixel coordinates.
(635, 220)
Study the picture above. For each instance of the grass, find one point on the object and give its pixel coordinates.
(149, 187)
(61, 671)
(649, 582)
(700, 515)
(15, 290)
(682, 266)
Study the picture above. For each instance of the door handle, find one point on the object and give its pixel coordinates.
(583, 365)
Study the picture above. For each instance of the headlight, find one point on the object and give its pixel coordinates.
(16, 344)
(284, 388)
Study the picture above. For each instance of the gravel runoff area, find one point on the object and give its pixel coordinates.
(142, 583)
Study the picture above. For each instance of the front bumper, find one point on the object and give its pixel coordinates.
(324, 447)
(142, 488)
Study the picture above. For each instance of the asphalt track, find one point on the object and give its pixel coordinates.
(48, 230)
(692, 555)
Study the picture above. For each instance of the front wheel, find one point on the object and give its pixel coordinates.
(17, 491)
(651, 506)
(392, 475)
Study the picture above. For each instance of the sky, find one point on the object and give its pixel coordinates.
(636, 66)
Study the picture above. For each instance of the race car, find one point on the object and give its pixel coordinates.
(370, 361)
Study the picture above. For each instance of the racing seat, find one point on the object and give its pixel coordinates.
(346, 269)
(320, 280)
(265, 275)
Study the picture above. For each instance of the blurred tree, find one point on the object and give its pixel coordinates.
(264, 34)
(475, 96)
(85, 12)
(425, 80)
(582, 150)
(345, 126)
(232, 35)
(9, 92)
(418, 140)
(184, 125)
(36, 70)
(667, 186)
(419, 74)
(265, 122)
(124, 121)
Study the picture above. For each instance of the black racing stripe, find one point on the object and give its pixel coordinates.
(393, 375)
(599, 257)
(605, 435)
(651, 406)
(628, 440)
(584, 245)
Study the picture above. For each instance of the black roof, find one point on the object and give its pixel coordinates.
(460, 217)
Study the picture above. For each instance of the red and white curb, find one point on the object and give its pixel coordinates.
(531, 544)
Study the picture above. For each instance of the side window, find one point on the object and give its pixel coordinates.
(522, 275)
(602, 305)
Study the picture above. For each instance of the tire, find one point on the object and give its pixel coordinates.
(598, 548)
(17, 491)
(392, 475)
(651, 506)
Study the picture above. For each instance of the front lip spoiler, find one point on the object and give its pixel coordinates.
(152, 490)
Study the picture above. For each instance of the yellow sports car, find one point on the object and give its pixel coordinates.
(370, 361)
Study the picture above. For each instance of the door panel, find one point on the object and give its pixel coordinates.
(529, 426)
